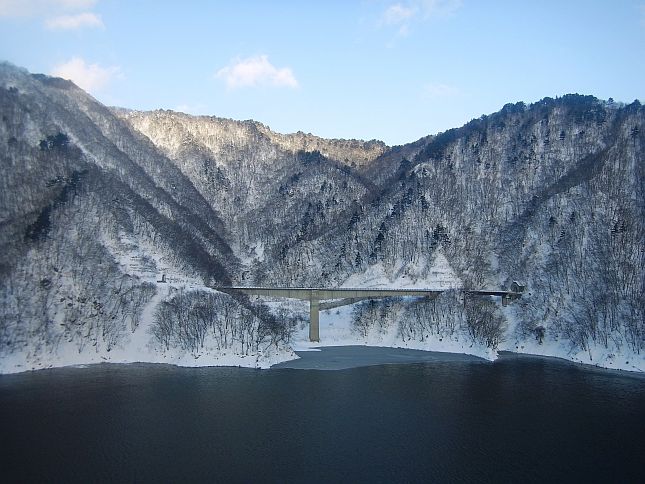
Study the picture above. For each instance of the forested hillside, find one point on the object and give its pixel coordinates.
(100, 205)
(93, 216)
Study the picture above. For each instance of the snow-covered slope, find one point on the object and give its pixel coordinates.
(91, 216)
(98, 205)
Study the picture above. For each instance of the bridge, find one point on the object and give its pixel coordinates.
(343, 296)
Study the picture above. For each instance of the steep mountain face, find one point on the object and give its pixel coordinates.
(550, 195)
(98, 204)
(265, 186)
(92, 215)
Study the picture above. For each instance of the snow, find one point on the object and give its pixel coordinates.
(135, 257)
(335, 325)
(336, 330)
(69, 356)
(253, 254)
(597, 355)
(408, 276)
(137, 347)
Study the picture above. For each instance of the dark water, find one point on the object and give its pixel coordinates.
(517, 420)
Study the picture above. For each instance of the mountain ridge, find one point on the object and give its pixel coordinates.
(117, 222)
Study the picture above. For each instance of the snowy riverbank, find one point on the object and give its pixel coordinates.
(339, 350)
(335, 331)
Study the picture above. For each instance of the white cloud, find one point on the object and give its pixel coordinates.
(439, 91)
(256, 71)
(397, 13)
(439, 8)
(21, 8)
(403, 15)
(90, 77)
(73, 22)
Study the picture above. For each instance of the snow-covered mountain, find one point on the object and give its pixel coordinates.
(262, 184)
(100, 204)
(93, 216)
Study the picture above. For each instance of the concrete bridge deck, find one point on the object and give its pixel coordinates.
(321, 293)
(348, 295)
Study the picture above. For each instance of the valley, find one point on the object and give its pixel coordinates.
(117, 225)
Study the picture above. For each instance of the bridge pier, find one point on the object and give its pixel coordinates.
(314, 320)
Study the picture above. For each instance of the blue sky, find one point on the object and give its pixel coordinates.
(390, 70)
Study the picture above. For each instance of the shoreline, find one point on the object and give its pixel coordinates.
(342, 357)
(512, 355)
